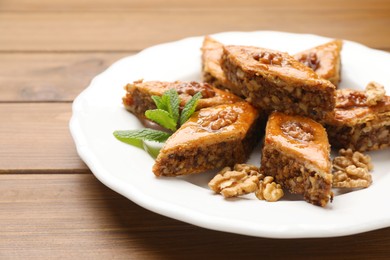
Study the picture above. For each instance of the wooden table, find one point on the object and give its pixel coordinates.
(51, 206)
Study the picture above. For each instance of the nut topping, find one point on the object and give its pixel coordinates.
(298, 130)
(351, 170)
(217, 119)
(191, 88)
(310, 60)
(373, 94)
(269, 58)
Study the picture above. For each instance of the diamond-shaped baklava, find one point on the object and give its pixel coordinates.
(324, 59)
(361, 119)
(273, 80)
(212, 138)
(139, 94)
(211, 66)
(296, 153)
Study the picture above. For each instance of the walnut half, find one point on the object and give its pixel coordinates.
(351, 170)
(310, 60)
(375, 93)
(191, 88)
(269, 58)
(298, 131)
(214, 121)
(269, 190)
(243, 179)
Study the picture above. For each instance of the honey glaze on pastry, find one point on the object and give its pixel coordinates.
(297, 154)
(212, 138)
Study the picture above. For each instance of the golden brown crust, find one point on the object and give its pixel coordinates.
(212, 138)
(357, 125)
(324, 59)
(354, 107)
(354, 115)
(299, 160)
(211, 56)
(300, 137)
(271, 64)
(211, 66)
(139, 94)
(272, 80)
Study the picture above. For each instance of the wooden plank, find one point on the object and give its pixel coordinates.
(124, 5)
(49, 76)
(135, 30)
(74, 216)
(36, 137)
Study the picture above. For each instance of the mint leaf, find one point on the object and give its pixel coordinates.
(173, 103)
(189, 108)
(160, 102)
(136, 137)
(152, 150)
(162, 118)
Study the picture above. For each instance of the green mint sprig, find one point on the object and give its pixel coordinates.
(189, 108)
(136, 137)
(162, 118)
(167, 115)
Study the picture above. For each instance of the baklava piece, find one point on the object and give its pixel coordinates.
(324, 59)
(272, 80)
(139, 94)
(296, 154)
(361, 119)
(212, 138)
(211, 66)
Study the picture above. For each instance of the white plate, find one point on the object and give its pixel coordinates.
(98, 111)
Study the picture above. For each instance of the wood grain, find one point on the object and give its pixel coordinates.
(50, 50)
(74, 216)
(50, 77)
(36, 138)
(135, 30)
(125, 5)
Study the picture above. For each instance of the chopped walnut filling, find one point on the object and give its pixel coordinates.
(351, 170)
(269, 190)
(243, 179)
(217, 120)
(373, 94)
(297, 130)
(271, 92)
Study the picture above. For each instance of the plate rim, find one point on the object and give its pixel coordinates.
(175, 211)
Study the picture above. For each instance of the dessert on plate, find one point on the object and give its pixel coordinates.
(361, 119)
(211, 66)
(139, 94)
(324, 59)
(296, 153)
(273, 80)
(212, 138)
